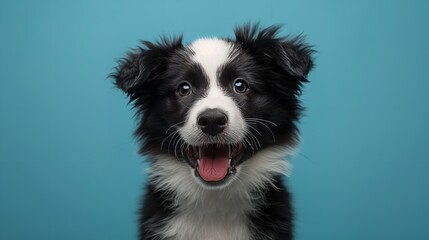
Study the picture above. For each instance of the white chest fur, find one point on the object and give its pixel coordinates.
(212, 220)
(215, 214)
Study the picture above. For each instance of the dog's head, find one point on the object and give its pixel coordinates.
(215, 103)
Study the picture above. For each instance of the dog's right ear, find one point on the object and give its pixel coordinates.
(144, 64)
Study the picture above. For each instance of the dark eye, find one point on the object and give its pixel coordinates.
(184, 89)
(240, 86)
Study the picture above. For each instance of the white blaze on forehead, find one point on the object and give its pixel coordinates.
(211, 53)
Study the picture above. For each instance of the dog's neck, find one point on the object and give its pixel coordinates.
(215, 214)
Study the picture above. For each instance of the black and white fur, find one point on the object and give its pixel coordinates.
(251, 203)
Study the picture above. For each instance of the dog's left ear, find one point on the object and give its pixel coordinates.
(291, 55)
(295, 57)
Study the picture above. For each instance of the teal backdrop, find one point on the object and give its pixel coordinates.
(68, 163)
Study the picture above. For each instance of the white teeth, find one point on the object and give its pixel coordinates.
(231, 168)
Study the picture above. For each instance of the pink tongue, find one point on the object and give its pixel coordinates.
(213, 168)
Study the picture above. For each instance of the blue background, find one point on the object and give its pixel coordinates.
(68, 162)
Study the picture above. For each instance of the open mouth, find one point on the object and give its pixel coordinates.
(214, 162)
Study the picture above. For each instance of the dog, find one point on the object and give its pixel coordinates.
(216, 119)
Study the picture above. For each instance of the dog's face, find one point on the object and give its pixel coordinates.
(215, 103)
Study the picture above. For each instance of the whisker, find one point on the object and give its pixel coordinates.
(182, 146)
(253, 120)
(255, 130)
(162, 143)
(250, 143)
(186, 106)
(172, 139)
(173, 126)
(256, 139)
(263, 120)
(175, 146)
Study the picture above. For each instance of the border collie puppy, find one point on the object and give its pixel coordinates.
(216, 118)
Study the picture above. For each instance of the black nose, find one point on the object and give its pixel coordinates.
(212, 121)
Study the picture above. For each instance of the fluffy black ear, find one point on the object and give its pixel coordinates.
(144, 64)
(290, 54)
(296, 57)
